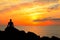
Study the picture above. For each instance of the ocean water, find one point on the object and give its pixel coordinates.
(39, 30)
(42, 30)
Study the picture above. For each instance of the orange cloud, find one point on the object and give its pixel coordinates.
(25, 13)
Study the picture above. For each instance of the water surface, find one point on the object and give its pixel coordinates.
(42, 30)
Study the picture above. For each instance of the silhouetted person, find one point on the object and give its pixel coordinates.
(11, 33)
(10, 24)
(10, 27)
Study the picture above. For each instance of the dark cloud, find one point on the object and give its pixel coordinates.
(45, 19)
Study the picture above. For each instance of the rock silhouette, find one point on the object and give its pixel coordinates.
(11, 33)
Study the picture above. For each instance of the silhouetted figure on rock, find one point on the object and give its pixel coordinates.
(11, 33)
(10, 27)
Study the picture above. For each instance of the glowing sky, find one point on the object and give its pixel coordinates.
(23, 12)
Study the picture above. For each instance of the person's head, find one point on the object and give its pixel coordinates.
(10, 20)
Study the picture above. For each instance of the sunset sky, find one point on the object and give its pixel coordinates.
(24, 12)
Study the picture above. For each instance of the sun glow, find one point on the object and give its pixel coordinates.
(35, 16)
(24, 12)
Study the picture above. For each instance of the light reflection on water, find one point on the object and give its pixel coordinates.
(42, 30)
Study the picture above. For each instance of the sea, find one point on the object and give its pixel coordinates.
(39, 30)
(42, 30)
